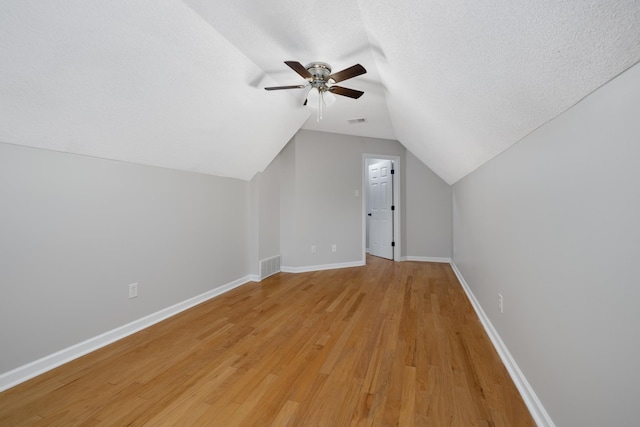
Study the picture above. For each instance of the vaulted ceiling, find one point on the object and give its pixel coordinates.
(179, 84)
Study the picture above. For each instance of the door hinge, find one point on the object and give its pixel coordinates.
(393, 243)
(393, 171)
(393, 208)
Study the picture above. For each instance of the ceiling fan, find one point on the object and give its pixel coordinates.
(319, 79)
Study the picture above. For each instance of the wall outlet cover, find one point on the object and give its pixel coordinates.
(133, 290)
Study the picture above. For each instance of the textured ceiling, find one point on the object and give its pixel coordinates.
(178, 84)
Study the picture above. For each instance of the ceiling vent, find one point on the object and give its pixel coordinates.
(357, 121)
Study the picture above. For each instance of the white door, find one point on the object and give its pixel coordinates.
(380, 193)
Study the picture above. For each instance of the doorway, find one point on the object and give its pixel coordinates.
(381, 206)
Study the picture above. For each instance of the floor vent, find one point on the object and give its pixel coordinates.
(269, 266)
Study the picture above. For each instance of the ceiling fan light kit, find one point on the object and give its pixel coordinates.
(321, 83)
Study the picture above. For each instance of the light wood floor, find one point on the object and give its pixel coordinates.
(383, 345)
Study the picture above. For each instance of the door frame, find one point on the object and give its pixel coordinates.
(397, 236)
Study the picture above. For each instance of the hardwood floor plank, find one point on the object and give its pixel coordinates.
(285, 417)
(385, 344)
(408, 401)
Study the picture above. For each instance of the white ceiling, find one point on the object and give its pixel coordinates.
(179, 84)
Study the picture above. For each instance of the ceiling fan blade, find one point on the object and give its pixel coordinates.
(285, 87)
(344, 91)
(348, 73)
(299, 68)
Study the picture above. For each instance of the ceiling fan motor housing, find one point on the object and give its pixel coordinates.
(320, 72)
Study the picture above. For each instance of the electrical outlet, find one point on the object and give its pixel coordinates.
(313, 249)
(500, 303)
(334, 248)
(133, 290)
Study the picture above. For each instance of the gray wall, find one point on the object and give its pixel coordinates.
(287, 194)
(253, 225)
(328, 170)
(75, 231)
(264, 229)
(427, 212)
(269, 218)
(320, 173)
(552, 224)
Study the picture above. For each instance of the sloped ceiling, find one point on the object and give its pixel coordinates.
(179, 84)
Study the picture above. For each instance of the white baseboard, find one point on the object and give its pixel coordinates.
(321, 267)
(254, 278)
(40, 366)
(530, 398)
(426, 259)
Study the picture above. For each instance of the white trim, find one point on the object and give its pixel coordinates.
(426, 259)
(321, 267)
(530, 398)
(254, 278)
(40, 366)
(397, 195)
